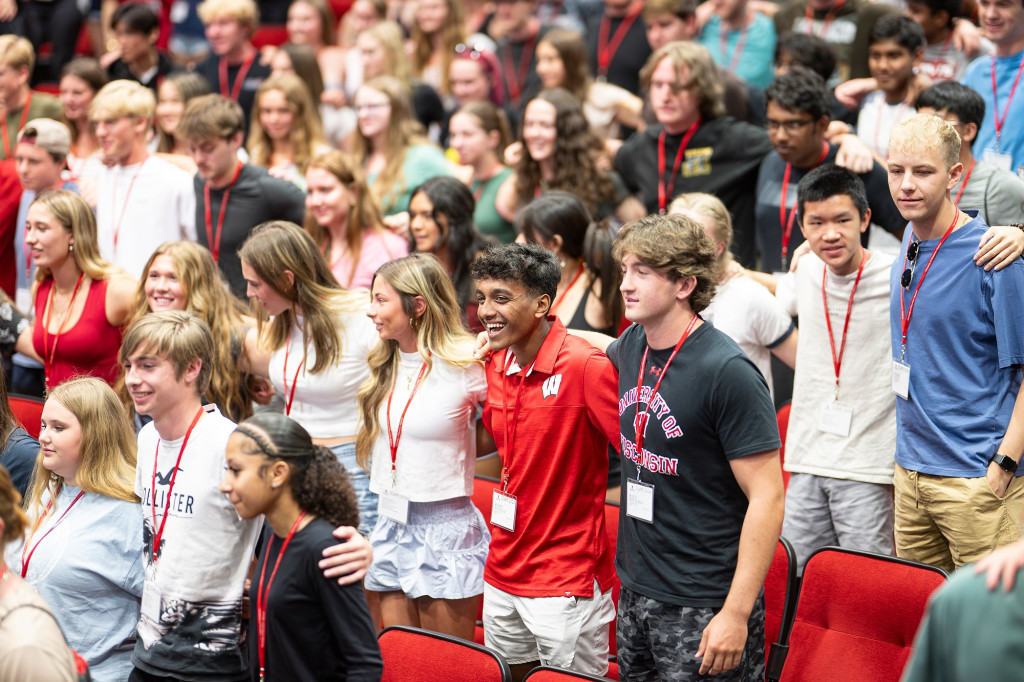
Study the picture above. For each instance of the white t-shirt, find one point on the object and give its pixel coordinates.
(865, 381)
(159, 206)
(748, 313)
(204, 554)
(325, 403)
(436, 454)
(876, 120)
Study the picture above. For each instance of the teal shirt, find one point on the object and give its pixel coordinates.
(488, 221)
(422, 162)
(755, 62)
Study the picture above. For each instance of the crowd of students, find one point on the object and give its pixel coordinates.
(592, 188)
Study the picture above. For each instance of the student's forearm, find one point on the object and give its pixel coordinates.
(1012, 444)
(758, 538)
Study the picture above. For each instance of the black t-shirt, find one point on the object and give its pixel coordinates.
(722, 159)
(628, 59)
(712, 407)
(316, 629)
(769, 194)
(255, 198)
(510, 55)
(118, 70)
(209, 69)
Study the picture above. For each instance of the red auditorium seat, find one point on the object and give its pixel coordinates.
(547, 673)
(483, 492)
(782, 416)
(270, 34)
(856, 616)
(28, 411)
(414, 654)
(780, 593)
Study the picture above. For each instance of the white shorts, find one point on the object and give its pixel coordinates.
(565, 632)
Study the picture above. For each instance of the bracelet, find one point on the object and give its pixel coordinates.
(1018, 226)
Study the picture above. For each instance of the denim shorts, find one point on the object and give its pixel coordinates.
(346, 454)
(440, 553)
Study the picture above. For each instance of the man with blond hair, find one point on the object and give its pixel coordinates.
(700, 465)
(142, 200)
(233, 68)
(231, 197)
(957, 346)
(20, 105)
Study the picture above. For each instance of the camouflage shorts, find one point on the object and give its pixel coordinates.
(658, 642)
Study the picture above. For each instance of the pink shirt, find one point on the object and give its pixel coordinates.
(377, 249)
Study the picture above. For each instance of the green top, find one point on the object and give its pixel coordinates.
(422, 162)
(42, 105)
(486, 217)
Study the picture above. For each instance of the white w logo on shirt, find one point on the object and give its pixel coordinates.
(550, 385)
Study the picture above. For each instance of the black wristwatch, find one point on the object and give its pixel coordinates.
(1005, 463)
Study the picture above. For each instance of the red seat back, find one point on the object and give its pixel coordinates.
(546, 673)
(28, 411)
(270, 34)
(857, 616)
(780, 591)
(414, 654)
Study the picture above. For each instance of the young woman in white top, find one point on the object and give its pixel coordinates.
(314, 349)
(417, 433)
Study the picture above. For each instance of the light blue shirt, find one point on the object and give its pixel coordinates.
(89, 570)
(753, 58)
(1011, 140)
(964, 344)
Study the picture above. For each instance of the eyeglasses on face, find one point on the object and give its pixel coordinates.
(791, 126)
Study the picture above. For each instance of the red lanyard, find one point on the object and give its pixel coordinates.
(787, 221)
(963, 184)
(878, 122)
(905, 313)
(515, 78)
(561, 296)
(263, 592)
(664, 194)
(8, 149)
(837, 360)
(236, 90)
(641, 420)
(211, 239)
(809, 16)
(158, 531)
(127, 196)
(510, 439)
(995, 99)
(25, 559)
(737, 51)
(394, 439)
(51, 352)
(284, 376)
(605, 50)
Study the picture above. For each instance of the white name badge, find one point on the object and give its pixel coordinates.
(901, 379)
(151, 602)
(393, 506)
(1002, 161)
(640, 500)
(503, 510)
(835, 418)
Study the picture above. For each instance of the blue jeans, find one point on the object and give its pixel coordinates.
(346, 454)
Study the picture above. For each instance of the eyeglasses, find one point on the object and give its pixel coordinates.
(791, 127)
(908, 274)
(369, 108)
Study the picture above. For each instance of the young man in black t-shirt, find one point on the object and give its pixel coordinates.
(700, 460)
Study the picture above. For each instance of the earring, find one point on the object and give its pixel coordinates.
(561, 263)
(274, 484)
(71, 247)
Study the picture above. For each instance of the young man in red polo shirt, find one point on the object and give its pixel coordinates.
(551, 410)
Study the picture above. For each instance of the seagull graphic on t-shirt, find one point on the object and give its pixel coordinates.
(165, 479)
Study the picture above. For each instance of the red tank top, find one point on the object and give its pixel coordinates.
(89, 347)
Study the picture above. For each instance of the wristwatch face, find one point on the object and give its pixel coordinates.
(1005, 463)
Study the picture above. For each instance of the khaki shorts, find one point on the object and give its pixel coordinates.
(948, 522)
(565, 632)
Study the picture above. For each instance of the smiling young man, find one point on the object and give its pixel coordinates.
(700, 460)
(231, 197)
(551, 410)
(957, 347)
(842, 429)
(196, 548)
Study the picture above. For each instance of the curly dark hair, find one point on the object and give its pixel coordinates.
(318, 481)
(576, 150)
(531, 265)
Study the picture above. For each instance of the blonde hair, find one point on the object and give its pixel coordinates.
(206, 297)
(704, 78)
(389, 36)
(17, 52)
(123, 98)
(452, 33)
(439, 335)
(74, 214)
(245, 12)
(178, 336)
(712, 208)
(278, 246)
(927, 131)
(106, 452)
(402, 132)
(306, 132)
(363, 216)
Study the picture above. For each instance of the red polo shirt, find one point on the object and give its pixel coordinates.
(557, 457)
